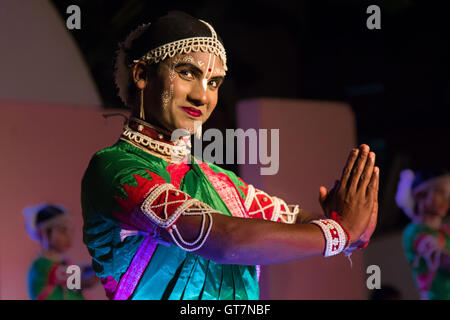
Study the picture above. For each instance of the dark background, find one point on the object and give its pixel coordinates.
(397, 79)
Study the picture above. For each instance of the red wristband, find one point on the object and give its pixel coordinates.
(336, 217)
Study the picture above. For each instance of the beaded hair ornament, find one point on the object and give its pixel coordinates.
(183, 46)
(185, 42)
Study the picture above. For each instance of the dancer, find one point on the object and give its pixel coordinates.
(160, 223)
(425, 197)
(47, 279)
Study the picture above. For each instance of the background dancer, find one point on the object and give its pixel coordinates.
(47, 278)
(425, 197)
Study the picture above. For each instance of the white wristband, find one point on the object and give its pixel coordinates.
(334, 236)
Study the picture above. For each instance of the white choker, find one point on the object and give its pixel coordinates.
(176, 151)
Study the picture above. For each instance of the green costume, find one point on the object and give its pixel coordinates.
(422, 248)
(117, 180)
(43, 283)
(131, 190)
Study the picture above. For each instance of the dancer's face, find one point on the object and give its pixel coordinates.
(436, 201)
(185, 89)
(59, 237)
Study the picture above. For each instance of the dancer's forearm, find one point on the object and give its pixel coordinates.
(253, 241)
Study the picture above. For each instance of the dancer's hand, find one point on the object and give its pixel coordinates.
(354, 196)
(324, 198)
(58, 275)
(365, 237)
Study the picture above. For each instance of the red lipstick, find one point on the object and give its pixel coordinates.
(192, 111)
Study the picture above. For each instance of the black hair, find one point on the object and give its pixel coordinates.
(426, 174)
(173, 26)
(47, 213)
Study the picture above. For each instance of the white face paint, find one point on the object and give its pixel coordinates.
(209, 71)
(219, 72)
(167, 95)
(183, 82)
(189, 59)
(204, 83)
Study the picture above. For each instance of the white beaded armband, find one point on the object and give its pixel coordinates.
(335, 236)
(165, 204)
(260, 204)
(159, 213)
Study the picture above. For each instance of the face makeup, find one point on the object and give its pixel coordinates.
(188, 94)
(167, 95)
(192, 111)
(208, 71)
(189, 59)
